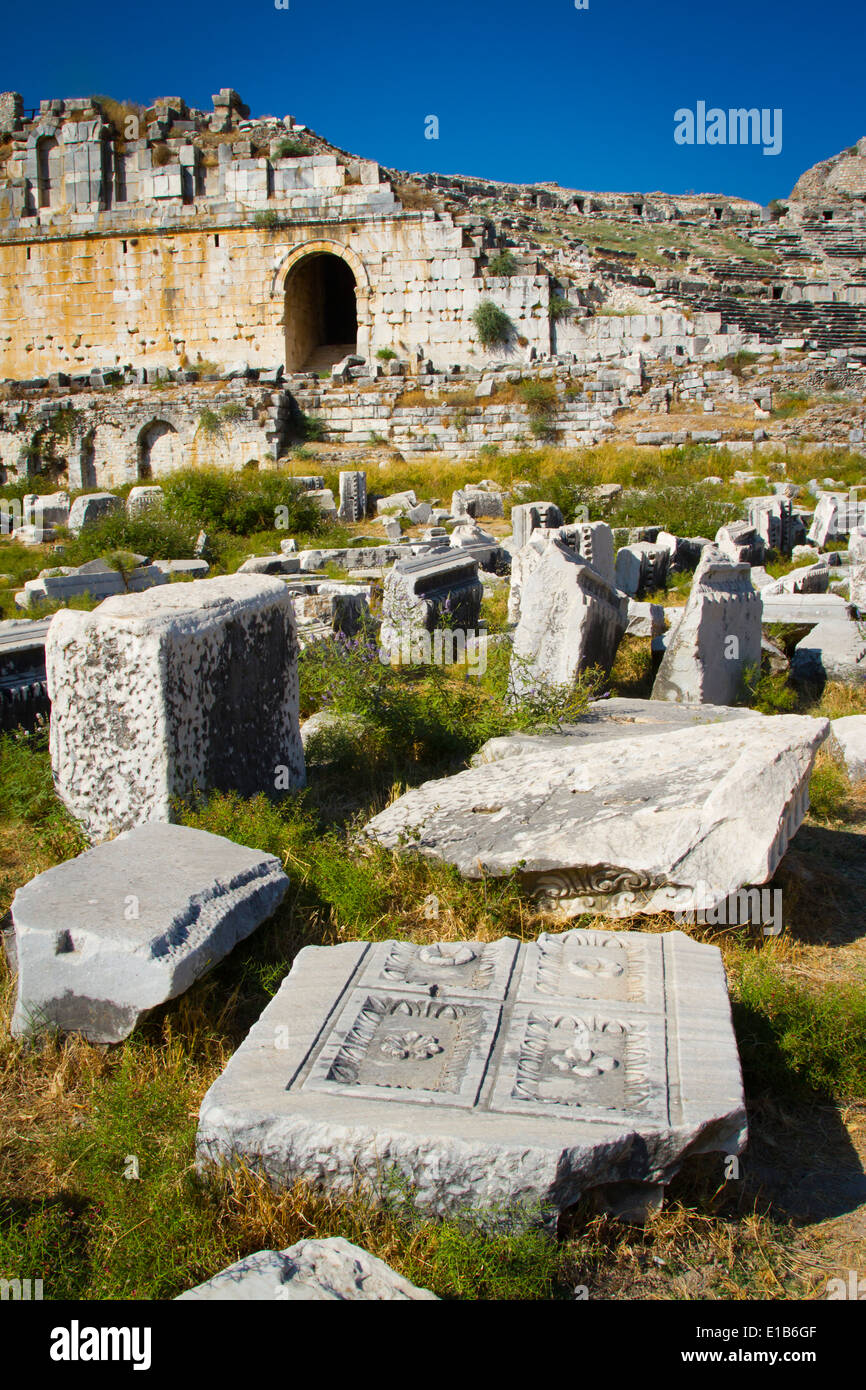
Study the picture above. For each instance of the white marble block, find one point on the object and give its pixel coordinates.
(185, 688)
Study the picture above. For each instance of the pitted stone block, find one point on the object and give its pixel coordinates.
(186, 687)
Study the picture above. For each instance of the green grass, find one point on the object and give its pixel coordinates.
(798, 1042)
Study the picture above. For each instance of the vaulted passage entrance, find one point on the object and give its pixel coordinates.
(321, 318)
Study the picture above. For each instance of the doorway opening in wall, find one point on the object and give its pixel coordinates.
(321, 317)
(157, 450)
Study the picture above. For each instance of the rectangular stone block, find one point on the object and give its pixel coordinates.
(490, 1076)
(185, 688)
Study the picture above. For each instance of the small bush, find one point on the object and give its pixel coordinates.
(209, 423)
(313, 429)
(789, 406)
(290, 149)
(559, 308)
(211, 500)
(154, 533)
(492, 324)
(540, 399)
(269, 218)
(232, 411)
(386, 354)
(737, 362)
(503, 264)
(829, 789)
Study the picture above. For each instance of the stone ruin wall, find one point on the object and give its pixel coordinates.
(161, 250)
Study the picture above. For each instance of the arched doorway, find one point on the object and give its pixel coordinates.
(321, 313)
(157, 444)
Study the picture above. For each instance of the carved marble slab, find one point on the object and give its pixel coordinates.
(487, 1074)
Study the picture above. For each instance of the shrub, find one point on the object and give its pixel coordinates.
(232, 411)
(386, 354)
(559, 308)
(503, 264)
(736, 362)
(492, 324)
(313, 429)
(209, 423)
(211, 500)
(269, 218)
(540, 398)
(153, 533)
(789, 406)
(290, 149)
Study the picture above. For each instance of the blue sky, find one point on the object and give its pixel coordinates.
(523, 91)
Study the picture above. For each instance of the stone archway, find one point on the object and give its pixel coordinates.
(157, 450)
(307, 282)
(321, 312)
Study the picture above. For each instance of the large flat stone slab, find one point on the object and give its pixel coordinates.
(134, 922)
(612, 719)
(636, 824)
(185, 688)
(491, 1076)
(332, 1270)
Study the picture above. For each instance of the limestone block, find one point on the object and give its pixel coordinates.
(835, 649)
(189, 686)
(90, 508)
(645, 619)
(46, 510)
(641, 567)
(615, 718)
(95, 579)
(570, 619)
(826, 523)
(632, 824)
(189, 569)
(324, 500)
(332, 1270)
(429, 591)
(717, 639)
(849, 736)
(103, 938)
(496, 1078)
(353, 496)
(595, 545)
(270, 564)
(397, 503)
(740, 542)
(527, 517)
(139, 499)
(476, 503)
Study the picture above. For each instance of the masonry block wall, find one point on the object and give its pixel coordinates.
(166, 250)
